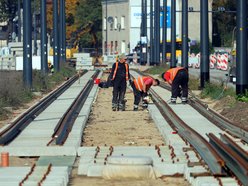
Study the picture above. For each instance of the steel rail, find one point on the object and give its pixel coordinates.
(219, 120)
(213, 116)
(65, 124)
(208, 154)
(234, 146)
(216, 118)
(15, 128)
(236, 163)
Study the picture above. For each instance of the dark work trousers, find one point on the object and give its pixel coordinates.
(137, 94)
(179, 83)
(119, 90)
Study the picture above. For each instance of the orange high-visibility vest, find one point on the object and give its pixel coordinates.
(139, 82)
(116, 68)
(173, 72)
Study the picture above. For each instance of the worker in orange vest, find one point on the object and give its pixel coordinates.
(119, 76)
(140, 86)
(178, 78)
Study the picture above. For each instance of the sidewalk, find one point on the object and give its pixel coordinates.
(216, 76)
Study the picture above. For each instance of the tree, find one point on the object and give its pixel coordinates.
(224, 21)
(7, 9)
(90, 11)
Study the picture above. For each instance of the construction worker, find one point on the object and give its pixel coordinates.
(140, 86)
(119, 76)
(178, 78)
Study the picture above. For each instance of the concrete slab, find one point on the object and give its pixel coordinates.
(39, 151)
(57, 161)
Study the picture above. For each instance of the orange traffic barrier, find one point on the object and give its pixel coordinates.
(5, 159)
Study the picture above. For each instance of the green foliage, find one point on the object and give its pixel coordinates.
(197, 48)
(216, 91)
(90, 11)
(157, 70)
(193, 83)
(7, 9)
(224, 21)
(243, 98)
(13, 94)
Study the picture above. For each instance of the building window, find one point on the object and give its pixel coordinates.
(116, 46)
(104, 24)
(115, 23)
(122, 22)
(111, 26)
(105, 47)
(123, 46)
(111, 47)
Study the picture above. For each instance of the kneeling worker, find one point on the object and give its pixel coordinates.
(140, 86)
(178, 78)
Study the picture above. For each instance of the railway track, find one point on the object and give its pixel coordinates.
(39, 117)
(8, 134)
(223, 156)
(65, 124)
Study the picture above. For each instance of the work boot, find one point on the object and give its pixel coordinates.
(173, 101)
(135, 108)
(184, 100)
(114, 107)
(121, 107)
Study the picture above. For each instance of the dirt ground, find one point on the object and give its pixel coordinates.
(122, 128)
(234, 111)
(16, 112)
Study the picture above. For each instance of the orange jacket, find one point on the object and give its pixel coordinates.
(139, 82)
(116, 68)
(171, 73)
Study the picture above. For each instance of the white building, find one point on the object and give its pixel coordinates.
(124, 20)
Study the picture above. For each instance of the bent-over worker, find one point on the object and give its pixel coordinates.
(178, 78)
(140, 86)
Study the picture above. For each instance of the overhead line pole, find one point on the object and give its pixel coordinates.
(55, 36)
(43, 15)
(164, 30)
(185, 46)
(27, 44)
(173, 34)
(151, 33)
(204, 66)
(242, 61)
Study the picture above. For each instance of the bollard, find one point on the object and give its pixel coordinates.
(5, 159)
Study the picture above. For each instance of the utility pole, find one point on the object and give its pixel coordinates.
(107, 28)
(173, 34)
(185, 46)
(142, 33)
(61, 28)
(151, 34)
(43, 15)
(242, 62)
(145, 31)
(157, 32)
(64, 30)
(55, 36)
(27, 44)
(204, 66)
(35, 34)
(19, 22)
(164, 31)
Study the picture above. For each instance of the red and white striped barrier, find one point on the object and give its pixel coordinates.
(219, 61)
(224, 62)
(212, 61)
